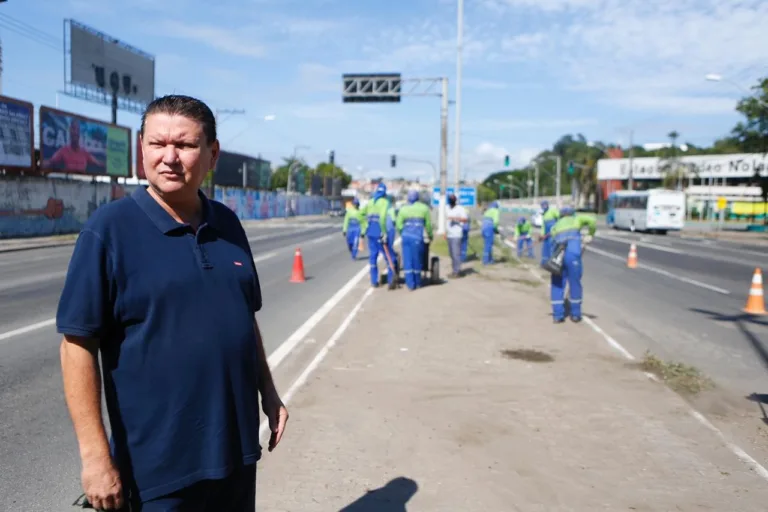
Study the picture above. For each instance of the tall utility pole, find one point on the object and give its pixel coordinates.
(457, 123)
(443, 157)
(558, 179)
(631, 154)
(536, 182)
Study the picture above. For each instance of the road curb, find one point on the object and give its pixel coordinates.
(32, 247)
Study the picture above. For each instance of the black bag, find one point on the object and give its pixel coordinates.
(554, 265)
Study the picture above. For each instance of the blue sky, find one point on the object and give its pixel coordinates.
(534, 70)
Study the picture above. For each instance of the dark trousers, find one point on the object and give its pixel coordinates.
(235, 493)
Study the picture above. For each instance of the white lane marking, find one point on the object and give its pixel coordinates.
(312, 366)
(280, 353)
(275, 235)
(734, 448)
(264, 257)
(29, 328)
(7, 285)
(321, 239)
(641, 244)
(52, 321)
(662, 272)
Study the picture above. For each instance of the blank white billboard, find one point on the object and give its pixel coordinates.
(93, 54)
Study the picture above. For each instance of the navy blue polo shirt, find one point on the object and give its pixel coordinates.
(174, 313)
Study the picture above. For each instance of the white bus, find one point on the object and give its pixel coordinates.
(657, 210)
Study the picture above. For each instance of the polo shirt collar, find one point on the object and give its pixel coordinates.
(163, 219)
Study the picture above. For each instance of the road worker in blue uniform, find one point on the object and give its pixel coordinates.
(375, 212)
(414, 220)
(391, 219)
(465, 238)
(354, 227)
(567, 230)
(489, 229)
(523, 237)
(548, 218)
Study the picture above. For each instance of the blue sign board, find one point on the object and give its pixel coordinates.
(467, 196)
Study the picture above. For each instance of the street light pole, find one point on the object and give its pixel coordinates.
(558, 179)
(631, 155)
(459, 52)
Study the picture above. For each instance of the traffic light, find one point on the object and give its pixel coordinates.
(506, 161)
(570, 167)
(393, 161)
(331, 157)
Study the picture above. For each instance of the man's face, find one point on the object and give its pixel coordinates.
(176, 154)
(74, 133)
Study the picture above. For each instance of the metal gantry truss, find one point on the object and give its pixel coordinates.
(385, 88)
(389, 88)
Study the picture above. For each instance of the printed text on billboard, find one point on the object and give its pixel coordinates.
(17, 142)
(78, 145)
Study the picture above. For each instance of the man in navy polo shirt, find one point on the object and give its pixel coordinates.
(163, 284)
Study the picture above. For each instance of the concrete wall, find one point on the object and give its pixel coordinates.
(34, 206)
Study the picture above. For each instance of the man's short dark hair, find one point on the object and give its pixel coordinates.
(180, 105)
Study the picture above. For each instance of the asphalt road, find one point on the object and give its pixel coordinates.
(684, 303)
(39, 465)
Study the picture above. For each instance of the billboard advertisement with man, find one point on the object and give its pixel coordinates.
(16, 134)
(78, 145)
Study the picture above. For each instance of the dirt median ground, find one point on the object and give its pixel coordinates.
(418, 407)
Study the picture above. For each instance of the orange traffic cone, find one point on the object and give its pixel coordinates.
(755, 301)
(632, 258)
(297, 276)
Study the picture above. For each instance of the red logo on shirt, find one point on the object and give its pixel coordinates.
(238, 264)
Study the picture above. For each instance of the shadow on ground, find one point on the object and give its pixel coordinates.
(393, 497)
(743, 321)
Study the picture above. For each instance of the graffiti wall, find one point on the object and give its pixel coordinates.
(254, 204)
(33, 206)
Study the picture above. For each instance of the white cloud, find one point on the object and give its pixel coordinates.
(497, 125)
(641, 53)
(479, 83)
(233, 41)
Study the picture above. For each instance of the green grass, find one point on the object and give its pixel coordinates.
(681, 378)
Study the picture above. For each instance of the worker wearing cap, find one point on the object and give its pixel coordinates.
(548, 218)
(489, 229)
(567, 231)
(523, 237)
(375, 212)
(414, 220)
(354, 227)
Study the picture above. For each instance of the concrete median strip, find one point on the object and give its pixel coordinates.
(735, 449)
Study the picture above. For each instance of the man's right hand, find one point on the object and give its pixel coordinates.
(101, 484)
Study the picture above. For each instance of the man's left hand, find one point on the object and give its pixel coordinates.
(277, 415)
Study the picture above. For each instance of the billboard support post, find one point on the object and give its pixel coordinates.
(388, 88)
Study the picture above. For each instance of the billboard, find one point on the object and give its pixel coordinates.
(467, 196)
(100, 62)
(73, 144)
(229, 171)
(17, 140)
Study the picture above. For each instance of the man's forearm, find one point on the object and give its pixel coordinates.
(82, 391)
(266, 384)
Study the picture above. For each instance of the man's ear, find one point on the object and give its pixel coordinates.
(215, 153)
